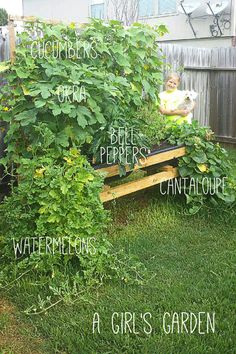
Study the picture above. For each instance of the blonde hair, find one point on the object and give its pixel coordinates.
(173, 75)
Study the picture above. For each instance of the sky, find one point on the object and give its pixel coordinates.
(13, 7)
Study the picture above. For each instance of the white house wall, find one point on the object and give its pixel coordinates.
(65, 10)
(179, 29)
(223, 42)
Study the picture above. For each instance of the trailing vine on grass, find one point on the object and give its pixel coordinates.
(206, 164)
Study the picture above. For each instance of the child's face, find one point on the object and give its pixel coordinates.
(172, 84)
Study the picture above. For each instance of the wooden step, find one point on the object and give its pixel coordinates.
(134, 186)
(160, 157)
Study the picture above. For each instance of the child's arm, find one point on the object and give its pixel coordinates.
(177, 112)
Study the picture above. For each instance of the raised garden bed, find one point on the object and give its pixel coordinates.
(163, 156)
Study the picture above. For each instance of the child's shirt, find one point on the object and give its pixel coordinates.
(170, 100)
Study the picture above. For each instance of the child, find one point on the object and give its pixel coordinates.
(171, 100)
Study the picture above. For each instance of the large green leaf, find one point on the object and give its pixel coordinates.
(62, 139)
(22, 74)
(39, 103)
(81, 120)
(199, 157)
(27, 117)
(56, 111)
(45, 92)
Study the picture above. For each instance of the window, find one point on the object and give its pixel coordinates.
(145, 8)
(97, 11)
(166, 6)
(149, 8)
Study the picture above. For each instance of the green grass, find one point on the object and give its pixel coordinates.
(232, 155)
(4, 321)
(193, 260)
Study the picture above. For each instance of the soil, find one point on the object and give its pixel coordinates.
(16, 337)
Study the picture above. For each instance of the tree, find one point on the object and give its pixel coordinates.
(3, 17)
(125, 11)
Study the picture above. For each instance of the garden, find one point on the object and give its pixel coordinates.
(82, 276)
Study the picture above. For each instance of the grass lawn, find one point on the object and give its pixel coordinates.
(191, 260)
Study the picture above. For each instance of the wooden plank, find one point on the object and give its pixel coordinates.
(34, 19)
(166, 168)
(149, 161)
(12, 40)
(226, 139)
(209, 68)
(48, 21)
(134, 186)
(23, 18)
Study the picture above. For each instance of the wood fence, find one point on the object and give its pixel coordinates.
(211, 73)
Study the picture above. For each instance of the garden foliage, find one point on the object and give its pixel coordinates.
(65, 90)
(3, 17)
(207, 164)
(73, 84)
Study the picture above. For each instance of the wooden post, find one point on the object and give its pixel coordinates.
(12, 39)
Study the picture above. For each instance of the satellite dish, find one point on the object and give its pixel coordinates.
(97, 2)
(216, 7)
(188, 6)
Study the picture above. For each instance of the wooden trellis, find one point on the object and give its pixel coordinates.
(11, 29)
